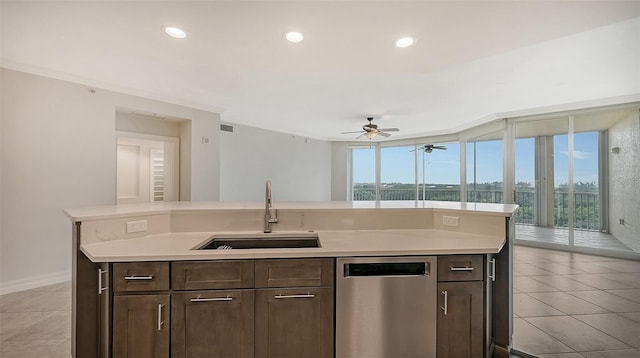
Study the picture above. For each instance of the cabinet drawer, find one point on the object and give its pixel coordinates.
(294, 273)
(140, 276)
(460, 268)
(204, 275)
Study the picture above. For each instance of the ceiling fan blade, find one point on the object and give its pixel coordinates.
(351, 132)
(384, 134)
(389, 129)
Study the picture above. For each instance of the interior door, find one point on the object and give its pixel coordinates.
(147, 169)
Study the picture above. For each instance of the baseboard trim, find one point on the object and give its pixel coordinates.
(34, 282)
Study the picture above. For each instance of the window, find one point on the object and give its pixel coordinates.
(439, 172)
(398, 173)
(363, 173)
(484, 171)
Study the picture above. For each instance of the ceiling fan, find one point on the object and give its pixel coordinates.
(428, 148)
(371, 130)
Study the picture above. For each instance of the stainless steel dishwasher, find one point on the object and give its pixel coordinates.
(386, 307)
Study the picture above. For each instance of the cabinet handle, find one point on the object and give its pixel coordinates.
(138, 278)
(308, 295)
(466, 268)
(160, 323)
(100, 288)
(493, 269)
(446, 303)
(198, 299)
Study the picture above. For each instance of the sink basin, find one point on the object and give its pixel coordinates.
(261, 241)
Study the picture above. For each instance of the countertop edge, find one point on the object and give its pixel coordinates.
(132, 210)
(420, 242)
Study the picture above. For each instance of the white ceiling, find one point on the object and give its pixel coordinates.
(471, 59)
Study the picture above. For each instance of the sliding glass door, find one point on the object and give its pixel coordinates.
(565, 182)
(543, 177)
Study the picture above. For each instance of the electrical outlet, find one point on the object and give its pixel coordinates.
(450, 220)
(621, 221)
(136, 226)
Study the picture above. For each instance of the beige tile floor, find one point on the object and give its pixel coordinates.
(569, 305)
(36, 323)
(566, 305)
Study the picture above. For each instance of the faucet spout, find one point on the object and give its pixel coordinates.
(268, 219)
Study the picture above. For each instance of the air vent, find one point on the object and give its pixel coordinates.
(226, 128)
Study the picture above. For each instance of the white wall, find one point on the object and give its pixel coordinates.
(624, 173)
(299, 168)
(58, 150)
(128, 122)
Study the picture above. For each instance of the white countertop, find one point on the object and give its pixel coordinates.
(179, 246)
(119, 211)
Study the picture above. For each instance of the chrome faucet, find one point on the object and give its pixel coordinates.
(268, 220)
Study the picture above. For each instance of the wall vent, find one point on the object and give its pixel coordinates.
(226, 128)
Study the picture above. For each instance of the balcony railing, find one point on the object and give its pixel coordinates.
(587, 205)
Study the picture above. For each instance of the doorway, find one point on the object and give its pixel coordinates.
(147, 168)
(563, 182)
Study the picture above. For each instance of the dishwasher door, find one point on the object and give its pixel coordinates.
(386, 307)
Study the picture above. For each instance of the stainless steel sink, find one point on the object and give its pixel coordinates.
(261, 241)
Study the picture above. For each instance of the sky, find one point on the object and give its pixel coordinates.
(443, 166)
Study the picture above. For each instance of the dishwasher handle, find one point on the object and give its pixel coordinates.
(381, 269)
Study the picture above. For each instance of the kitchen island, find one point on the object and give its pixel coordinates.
(165, 237)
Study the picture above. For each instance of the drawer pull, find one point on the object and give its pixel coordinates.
(446, 298)
(198, 299)
(138, 278)
(460, 268)
(160, 323)
(100, 288)
(308, 295)
(493, 269)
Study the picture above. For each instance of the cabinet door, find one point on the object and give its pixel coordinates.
(212, 324)
(460, 319)
(294, 322)
(141, 326)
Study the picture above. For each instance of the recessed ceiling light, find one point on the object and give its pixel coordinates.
(174, 32)
(405, 42)
(293, 36)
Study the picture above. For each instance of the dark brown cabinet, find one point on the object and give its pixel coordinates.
(141, 319)
(217, 320)
(212, 324)
(253, 308)
(294, 322)
(104, 311)
(271, 308)
(141, 326)
(461, 313)
(294, 308)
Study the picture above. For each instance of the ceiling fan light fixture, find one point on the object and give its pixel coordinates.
(174, 32)
(405, 41)
(371, 134)
(293, 36)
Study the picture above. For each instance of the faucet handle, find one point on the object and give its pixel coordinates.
(274, 218)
